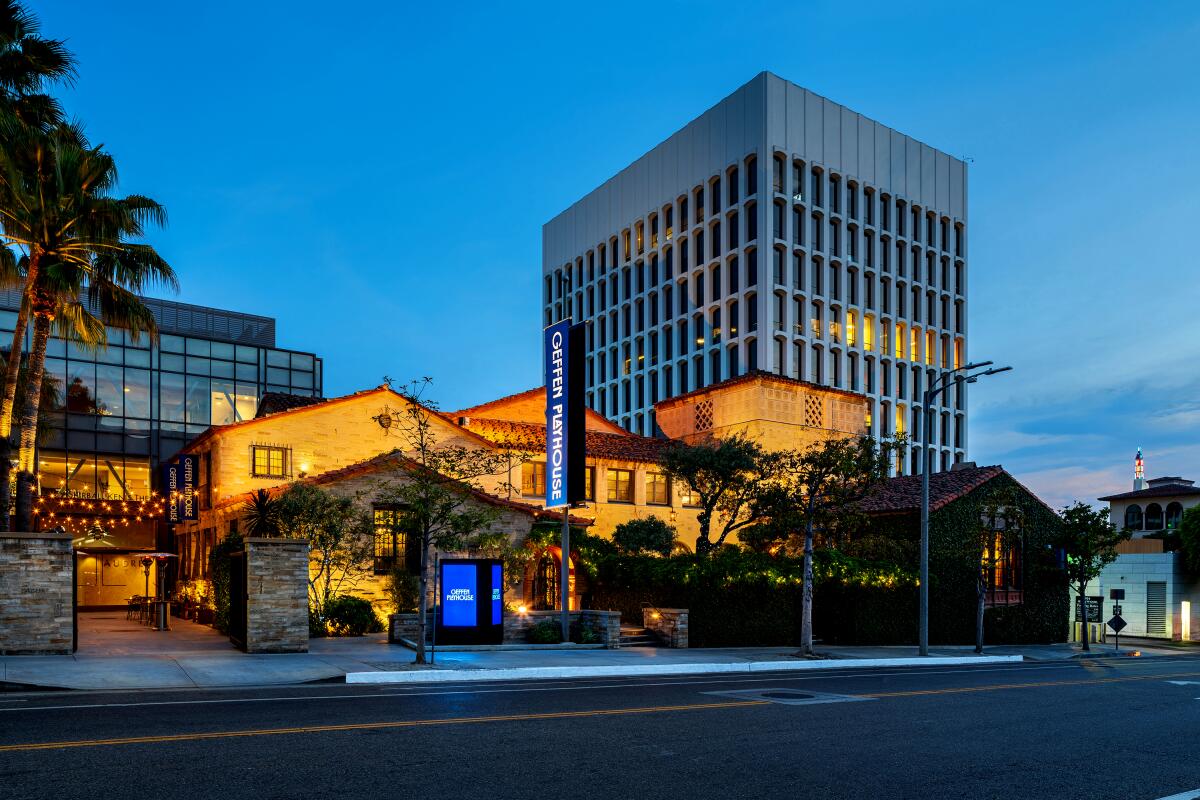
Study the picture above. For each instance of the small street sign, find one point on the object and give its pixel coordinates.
(1117, 623)
(1116, 594)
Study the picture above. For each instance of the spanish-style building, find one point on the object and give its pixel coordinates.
(350, 445)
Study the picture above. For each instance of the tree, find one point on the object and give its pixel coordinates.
(56, 205)
(1089, 542)
(261, 514)
(645, 535)
(438, 492)
(1001, 524)
(726, 476)
(1189, 541)
(340, 541)
(28, 64)
(816, 490)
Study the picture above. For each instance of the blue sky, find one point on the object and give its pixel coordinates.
(376, 179)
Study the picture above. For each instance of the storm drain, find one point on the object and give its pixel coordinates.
(790, 697)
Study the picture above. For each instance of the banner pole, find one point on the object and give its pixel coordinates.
(565, 564)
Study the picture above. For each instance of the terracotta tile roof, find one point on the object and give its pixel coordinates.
(531, 437)
(274, 402)
(474, 410)
(393, 460)
(1170, 490)
(750, 377)
(902, 495)
(530, 394)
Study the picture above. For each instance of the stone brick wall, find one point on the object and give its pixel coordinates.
(605, 624)
(670, 625)
(405, 626)
(277, 589)
(36, 594)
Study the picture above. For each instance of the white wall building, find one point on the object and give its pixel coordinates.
(1160, 600)
(777, 231)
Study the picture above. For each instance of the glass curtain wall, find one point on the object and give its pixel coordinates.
(131, 399)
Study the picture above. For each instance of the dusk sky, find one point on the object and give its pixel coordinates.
(376, 175)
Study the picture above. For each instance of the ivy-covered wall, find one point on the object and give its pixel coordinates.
(954, 565)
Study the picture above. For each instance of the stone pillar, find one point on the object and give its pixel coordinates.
(276, 595)
(669, 624)
(37, 594)
(605, 624)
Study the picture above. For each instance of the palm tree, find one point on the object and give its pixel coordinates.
(83, 271)
(262, 514)
(28, 63)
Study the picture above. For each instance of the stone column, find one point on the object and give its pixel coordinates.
(37, 594)
(276, 595)
(669, 624)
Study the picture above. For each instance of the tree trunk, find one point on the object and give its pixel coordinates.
(806, 632)
(1083, 631)
(13, 368)
(26, 462)
(981, 595)
(423, 604)
(5, 476)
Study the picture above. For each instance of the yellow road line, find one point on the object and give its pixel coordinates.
(1040, 684)
(369, 726)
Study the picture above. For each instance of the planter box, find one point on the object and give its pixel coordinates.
(204, 616)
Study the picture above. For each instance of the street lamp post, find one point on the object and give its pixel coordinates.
(953, 377)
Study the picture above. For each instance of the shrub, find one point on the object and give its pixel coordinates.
(548, 631)
(581, 634)
(1189, 541)
(644, 535)
(403, 590)
(351, 616)
(218, 570)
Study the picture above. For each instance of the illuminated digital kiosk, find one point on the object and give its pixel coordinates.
(471, 602)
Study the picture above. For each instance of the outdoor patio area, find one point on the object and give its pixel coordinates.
(113, 633)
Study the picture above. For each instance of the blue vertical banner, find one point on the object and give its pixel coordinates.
(497, 594)
(557, 351)
(170, 490)
(566, 379)
(189, 469)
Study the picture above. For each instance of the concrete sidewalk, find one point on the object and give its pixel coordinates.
(332, 659)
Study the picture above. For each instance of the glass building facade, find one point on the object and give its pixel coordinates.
(121, 410)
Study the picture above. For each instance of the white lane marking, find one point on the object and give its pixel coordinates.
(558, 687)
(1189, 795)
(1185, 683)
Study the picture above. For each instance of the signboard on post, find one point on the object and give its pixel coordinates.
(565, 437)
(470, 601)
(1094, 608)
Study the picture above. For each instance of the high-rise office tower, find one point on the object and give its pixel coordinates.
(782, 232)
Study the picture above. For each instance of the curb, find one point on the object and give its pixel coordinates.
(641, 670)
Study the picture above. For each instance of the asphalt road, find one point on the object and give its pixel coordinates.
(1102, 729)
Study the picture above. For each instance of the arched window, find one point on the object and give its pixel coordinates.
(546, 583)
(1154, 517)
(1174, 515)
(1133, 517)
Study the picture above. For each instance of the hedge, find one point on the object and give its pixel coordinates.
(737, 598)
